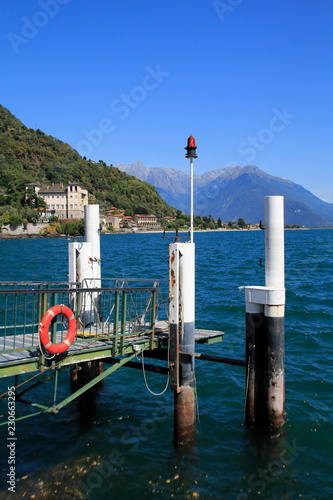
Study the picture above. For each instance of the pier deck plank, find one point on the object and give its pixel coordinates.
(21, 353)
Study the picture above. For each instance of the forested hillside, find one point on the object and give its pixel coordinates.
(28, 155)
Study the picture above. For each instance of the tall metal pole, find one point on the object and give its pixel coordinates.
(191, 198)
(191, 153)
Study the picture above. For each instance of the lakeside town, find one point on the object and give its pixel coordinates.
(59, 209)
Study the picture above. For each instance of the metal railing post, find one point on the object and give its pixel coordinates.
(153, 318)
(115, 323)
(123, 321)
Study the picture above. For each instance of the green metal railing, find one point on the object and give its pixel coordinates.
(108, 313)
(111, 321)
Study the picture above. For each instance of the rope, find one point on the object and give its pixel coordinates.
(42, 350)
(197, 402)
(80, 350)
(145, 378)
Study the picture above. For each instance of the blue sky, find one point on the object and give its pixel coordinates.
(122, 80)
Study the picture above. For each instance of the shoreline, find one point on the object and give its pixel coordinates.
(5, 236)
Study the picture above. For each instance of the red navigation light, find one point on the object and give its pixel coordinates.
(191, 142)
(191, 148)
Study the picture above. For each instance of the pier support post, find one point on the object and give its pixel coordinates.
(254, 330)
(92, 307)
(265, 305)
(85, 265)
(81, 374)
(182, 350)
(85, 269)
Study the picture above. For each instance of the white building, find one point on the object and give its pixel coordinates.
(146, 221)
(66, 202)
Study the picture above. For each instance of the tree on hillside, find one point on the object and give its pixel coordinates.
(141, 210)
(15, 220)
(241, 223)
(32, 200)
(6, 217)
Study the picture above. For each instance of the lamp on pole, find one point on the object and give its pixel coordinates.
(191, 153)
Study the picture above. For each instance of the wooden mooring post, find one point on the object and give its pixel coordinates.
(181, 318)
(265, 306)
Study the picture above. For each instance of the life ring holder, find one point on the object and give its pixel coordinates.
(45, 325)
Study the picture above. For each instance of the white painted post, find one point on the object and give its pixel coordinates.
(92, 236)
(91, 307)
(274, 242)
(85, 268)
(182, 329)
(187, 298)
(174, 315)
(84, 263)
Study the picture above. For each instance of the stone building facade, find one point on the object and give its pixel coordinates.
(63, 201)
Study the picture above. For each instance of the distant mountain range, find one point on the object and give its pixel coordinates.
(234, 192)
(28, 155)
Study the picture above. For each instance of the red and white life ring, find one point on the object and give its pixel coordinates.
(45, 324)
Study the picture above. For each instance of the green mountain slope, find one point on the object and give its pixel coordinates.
(28, 155)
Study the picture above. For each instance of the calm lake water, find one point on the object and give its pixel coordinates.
(126, 450)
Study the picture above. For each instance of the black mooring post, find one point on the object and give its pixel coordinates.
(274, 373)
(254, 330)
(81, 374)
(265, 390)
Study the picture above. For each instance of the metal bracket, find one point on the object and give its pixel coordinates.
(177, 238)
